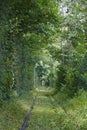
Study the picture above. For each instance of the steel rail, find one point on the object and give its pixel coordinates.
(29, 113)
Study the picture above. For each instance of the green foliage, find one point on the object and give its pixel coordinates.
(26, 27)
(54, 32)
(11, 116)
(56, 112)
(71, 75)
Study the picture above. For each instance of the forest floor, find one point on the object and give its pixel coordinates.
(51, 112)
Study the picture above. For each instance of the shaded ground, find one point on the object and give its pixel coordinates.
(43, 113)
(56, 113)
(51, 112)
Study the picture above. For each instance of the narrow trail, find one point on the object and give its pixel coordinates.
(43, 114)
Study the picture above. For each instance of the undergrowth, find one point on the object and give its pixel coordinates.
(50, 112)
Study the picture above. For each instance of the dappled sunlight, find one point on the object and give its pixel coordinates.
(24, 105)
(44, 89)
(47, 113)
(42, 97)
(42, 109)
(43, 65)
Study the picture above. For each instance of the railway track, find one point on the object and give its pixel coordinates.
(27, 118)
(42, 98)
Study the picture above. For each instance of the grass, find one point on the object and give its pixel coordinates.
(51, 112)
(11, 116)
(13, 112)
